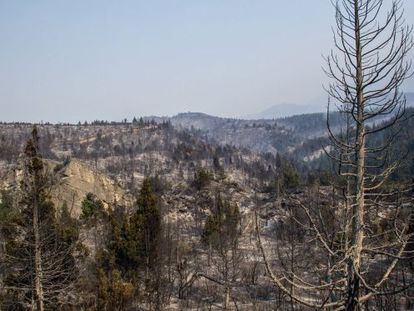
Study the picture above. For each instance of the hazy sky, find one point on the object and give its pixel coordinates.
(83, 60)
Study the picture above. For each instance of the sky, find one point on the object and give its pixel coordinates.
(76, 60)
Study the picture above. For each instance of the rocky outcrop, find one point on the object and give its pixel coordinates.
(72, 182)
(78, 179)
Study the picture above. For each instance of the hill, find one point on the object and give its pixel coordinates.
(195, 179)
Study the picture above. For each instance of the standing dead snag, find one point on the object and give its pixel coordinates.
(367, 76)
(35, 168)
(367, 70)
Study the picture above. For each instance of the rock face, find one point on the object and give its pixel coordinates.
(79, 179)
(75, 180)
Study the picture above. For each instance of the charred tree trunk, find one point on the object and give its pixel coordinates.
(38, 255)
(358, 210)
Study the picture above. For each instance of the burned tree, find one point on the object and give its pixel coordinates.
(367, 71)
(367, 77)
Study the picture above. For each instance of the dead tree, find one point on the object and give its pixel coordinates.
(367, 68)
(367, 77)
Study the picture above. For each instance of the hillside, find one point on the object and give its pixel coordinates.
(193, 177)
(112, 160)
(311, 151)
(261, 136)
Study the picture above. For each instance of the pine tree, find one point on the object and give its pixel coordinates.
(221, 234)
(39, 262)
(91, 206)
(221, 229)
(144, 229)
(115, 272)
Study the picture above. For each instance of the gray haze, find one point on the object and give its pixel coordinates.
(85, 60)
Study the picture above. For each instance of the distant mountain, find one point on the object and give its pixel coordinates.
(290, 109)
(198, 120)
(286, 110)
(410, 98)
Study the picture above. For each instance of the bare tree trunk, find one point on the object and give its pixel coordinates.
(357, 233)
(38, 257)
(227, 298)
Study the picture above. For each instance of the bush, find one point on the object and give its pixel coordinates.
(202, 178)
(91, 205)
